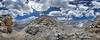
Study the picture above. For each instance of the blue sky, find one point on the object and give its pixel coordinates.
(37, 13)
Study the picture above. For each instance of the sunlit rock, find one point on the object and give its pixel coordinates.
(98, 21)
(6, 23)
(95, 26)
(45, 20)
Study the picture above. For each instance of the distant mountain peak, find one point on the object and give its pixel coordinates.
(45, 20)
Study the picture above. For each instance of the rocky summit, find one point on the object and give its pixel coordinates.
(6, 23)
(43, 28)
(45, 20)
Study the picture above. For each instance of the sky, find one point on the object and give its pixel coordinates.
(68, 9)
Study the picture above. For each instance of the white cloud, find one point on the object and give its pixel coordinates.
(38, 6)
(19, 7)
(76, 13)
(90, 13)
(35, 5)
(55, 13)
(96, 4)
(14, 0)
(97, 13)
(82, 7)
(61, 18)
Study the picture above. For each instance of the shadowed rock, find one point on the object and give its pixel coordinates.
(32, 30)
(96, 26)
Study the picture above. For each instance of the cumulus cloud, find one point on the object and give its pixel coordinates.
(97, 13)
(82, 7)
(38, 6)
(90, 13)
(4, 12)
(15, 8)
(20, 7)
(55, 13)
(96, 4)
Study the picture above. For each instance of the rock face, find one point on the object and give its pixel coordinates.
(6, 23)
(41, 24)
(45, 31)
(38, 30)
(41, 28)
(32, 30)
(71, 36)
(95, 26)
(97, 21)
(45, 20)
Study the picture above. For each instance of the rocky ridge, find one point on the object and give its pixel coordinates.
(46, 28)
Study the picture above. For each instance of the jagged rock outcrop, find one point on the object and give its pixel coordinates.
(6, 23)
(72, 36)
(42, 31)
(45, 20)
(32, 30)
(97, 24)
(41, 27)
(38, 30)
(95, 27)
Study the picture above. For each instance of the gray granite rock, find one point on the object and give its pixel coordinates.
(32, 30)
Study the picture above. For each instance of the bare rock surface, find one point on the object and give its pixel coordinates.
(48, 31)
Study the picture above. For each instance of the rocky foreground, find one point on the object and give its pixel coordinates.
(46, 28)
